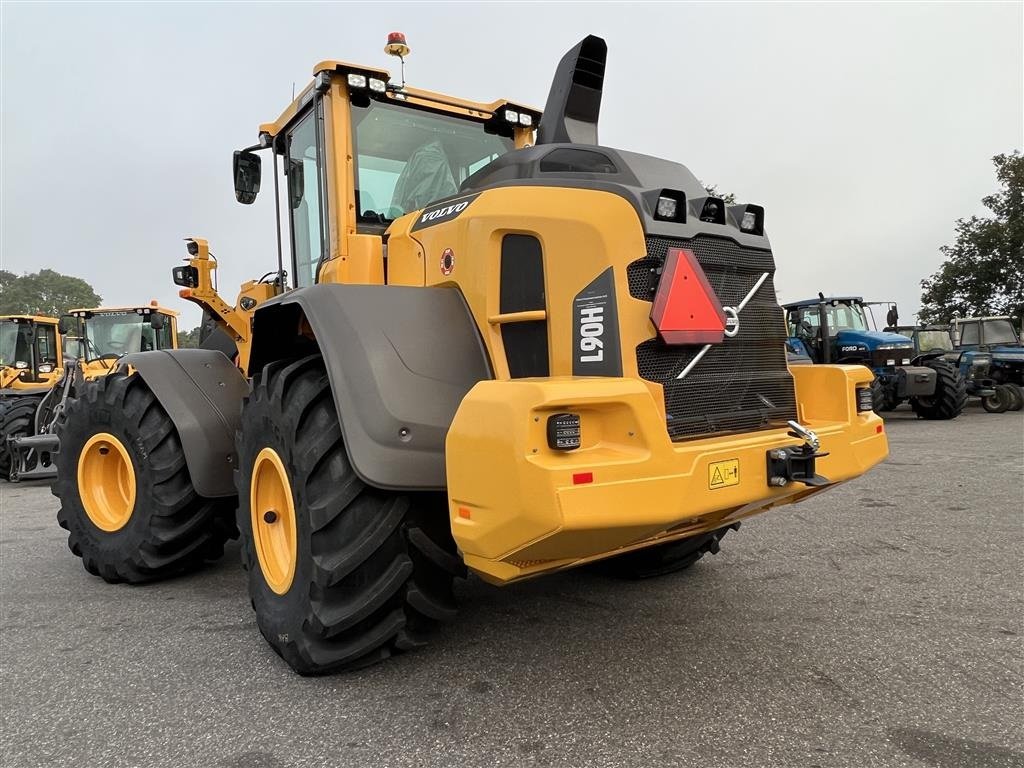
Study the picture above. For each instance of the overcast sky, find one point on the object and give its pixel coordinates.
(864, 130)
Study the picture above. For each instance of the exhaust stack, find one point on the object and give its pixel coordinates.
(574, 102)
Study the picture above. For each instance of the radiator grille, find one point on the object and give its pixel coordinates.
(741, 385)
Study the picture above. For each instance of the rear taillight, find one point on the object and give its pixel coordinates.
(865, 399)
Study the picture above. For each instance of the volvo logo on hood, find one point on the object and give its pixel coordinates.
(438, 213)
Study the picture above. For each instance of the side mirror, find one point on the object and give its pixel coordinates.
(66, 324)
(157, 321)
(296, 185)
(247, 167)
(892, 317)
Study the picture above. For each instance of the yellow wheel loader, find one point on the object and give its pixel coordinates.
(90, 341)
(31, 363)
(504, 349)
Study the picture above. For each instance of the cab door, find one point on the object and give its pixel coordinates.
(304, 168)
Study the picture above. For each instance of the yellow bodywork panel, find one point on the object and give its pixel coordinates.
(582, 233)
(519, 508)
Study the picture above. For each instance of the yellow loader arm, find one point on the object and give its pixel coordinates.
(198, 283)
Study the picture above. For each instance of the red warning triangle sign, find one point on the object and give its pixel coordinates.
(686, 309)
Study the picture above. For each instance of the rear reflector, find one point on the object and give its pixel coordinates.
(581, 478)
(686, 309)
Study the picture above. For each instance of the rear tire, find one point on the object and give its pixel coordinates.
(950, 393)
(371, 570)
(17, 420)
(662, 559)
(170, 528)
(1017, 395)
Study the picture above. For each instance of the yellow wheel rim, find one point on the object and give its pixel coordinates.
(273, 520)
(106, 482)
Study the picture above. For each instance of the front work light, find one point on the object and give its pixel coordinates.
(525, 120)
(749, 221)
(377, 86)
(511, 116)
(356, 81)
(564, 431)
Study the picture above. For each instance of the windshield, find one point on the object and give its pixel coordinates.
(13, 342)
(999, 332)
(406, 158)
(932, 340)
(805, 321)
(113, 334)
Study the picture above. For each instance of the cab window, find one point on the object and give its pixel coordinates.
(304, 171)
(968, 334)
(46, 344)
(999, 332)
(407, 158)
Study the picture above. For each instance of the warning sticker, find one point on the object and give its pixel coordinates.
(722, 474)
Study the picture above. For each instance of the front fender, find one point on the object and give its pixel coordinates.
(202, 392)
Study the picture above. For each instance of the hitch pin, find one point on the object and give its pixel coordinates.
(805, 434)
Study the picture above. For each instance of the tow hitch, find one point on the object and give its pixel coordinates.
(795, 463)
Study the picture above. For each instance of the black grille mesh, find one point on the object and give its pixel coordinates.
(740, 385)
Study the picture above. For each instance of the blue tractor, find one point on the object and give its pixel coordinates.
(836, 330)
(991, 344)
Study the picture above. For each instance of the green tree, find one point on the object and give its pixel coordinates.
(45, 292)
(188, 339)
(983, 273)
(727, 197)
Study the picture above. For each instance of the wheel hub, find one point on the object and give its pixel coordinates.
(106, 482)
(272, 510)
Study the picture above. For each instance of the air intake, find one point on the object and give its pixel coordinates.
(574, 102)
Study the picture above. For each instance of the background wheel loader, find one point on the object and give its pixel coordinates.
(31, 363)
(90, 341)
(504, 349)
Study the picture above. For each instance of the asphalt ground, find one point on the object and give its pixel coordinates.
(880, 624)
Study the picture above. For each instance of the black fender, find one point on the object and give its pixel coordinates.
(400, 361)
(202, 392)
(924, 357)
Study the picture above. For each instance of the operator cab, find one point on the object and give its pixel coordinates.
(28, 347)
(398, 149)
(109, 333)
(804, 322)
(986, 332)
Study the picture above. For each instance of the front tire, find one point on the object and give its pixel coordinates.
(341, 575)
(127, 499)
(17, 420)
(882, 399)
(950, 394)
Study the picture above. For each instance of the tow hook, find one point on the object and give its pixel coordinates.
(795, 463)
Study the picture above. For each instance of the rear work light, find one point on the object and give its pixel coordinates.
(865, 399)
(564, 431)
(670, 206)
